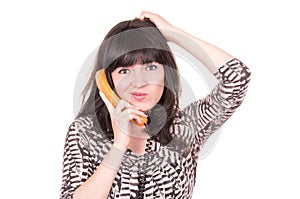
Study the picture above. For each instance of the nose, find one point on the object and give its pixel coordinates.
(139, 79)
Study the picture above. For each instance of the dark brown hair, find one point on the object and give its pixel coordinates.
(127, 43)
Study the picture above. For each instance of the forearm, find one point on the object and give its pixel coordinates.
(99, 184)
(211, 56)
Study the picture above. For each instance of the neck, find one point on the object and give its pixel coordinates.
(137, 145)
(138, 140)
(138, 132)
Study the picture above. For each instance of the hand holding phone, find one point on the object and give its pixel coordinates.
(104, 87)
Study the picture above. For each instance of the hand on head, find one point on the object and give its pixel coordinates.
(160, 22)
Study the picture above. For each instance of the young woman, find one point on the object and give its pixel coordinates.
(107, 155)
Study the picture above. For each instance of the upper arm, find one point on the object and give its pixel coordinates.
(205, 116)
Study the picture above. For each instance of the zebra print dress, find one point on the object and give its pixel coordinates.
(163, 171)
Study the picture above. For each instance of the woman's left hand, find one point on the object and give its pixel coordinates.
(160, 22)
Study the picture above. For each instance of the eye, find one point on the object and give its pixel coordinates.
(151, 67)
(124, 71)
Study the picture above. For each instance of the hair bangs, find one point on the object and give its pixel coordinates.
(140, 56)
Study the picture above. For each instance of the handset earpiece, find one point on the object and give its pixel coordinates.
(103, 85)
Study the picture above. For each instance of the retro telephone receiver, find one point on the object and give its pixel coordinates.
(103, 85)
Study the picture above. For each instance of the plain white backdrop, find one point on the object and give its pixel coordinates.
(43, 45)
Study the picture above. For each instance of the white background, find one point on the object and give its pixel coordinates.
(43, 45)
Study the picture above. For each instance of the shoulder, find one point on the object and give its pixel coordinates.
(83, 122)
(84, 129)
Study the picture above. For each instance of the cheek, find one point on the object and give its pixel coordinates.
(157, 79)
(157, 92)
(160, 86)
(120, 87)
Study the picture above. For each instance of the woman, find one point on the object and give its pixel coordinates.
(107, 155)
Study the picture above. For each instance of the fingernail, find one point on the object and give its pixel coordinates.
(145, 115)
(140, 121)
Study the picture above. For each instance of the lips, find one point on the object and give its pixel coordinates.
(139, 96)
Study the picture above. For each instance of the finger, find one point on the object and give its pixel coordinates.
(107, 102)
(146, 14)
(135, 117)
(156, 19)
(136, 112)
(121, 106)
(131, 106)
(124, 105)
(130, 111)
(142, 15)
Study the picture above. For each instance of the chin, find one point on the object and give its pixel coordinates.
(146, 108)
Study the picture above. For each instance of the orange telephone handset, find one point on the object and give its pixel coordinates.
(103, 85)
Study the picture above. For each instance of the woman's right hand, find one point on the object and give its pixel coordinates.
(121, 120)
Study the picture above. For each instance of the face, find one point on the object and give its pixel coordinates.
(141, 85)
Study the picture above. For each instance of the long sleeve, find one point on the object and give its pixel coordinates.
(203, 117)
(75, 161)
(85, 147)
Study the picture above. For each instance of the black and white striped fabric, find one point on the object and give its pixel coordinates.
(170, 170)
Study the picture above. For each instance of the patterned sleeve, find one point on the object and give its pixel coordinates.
(75, 160)
(205, 116)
